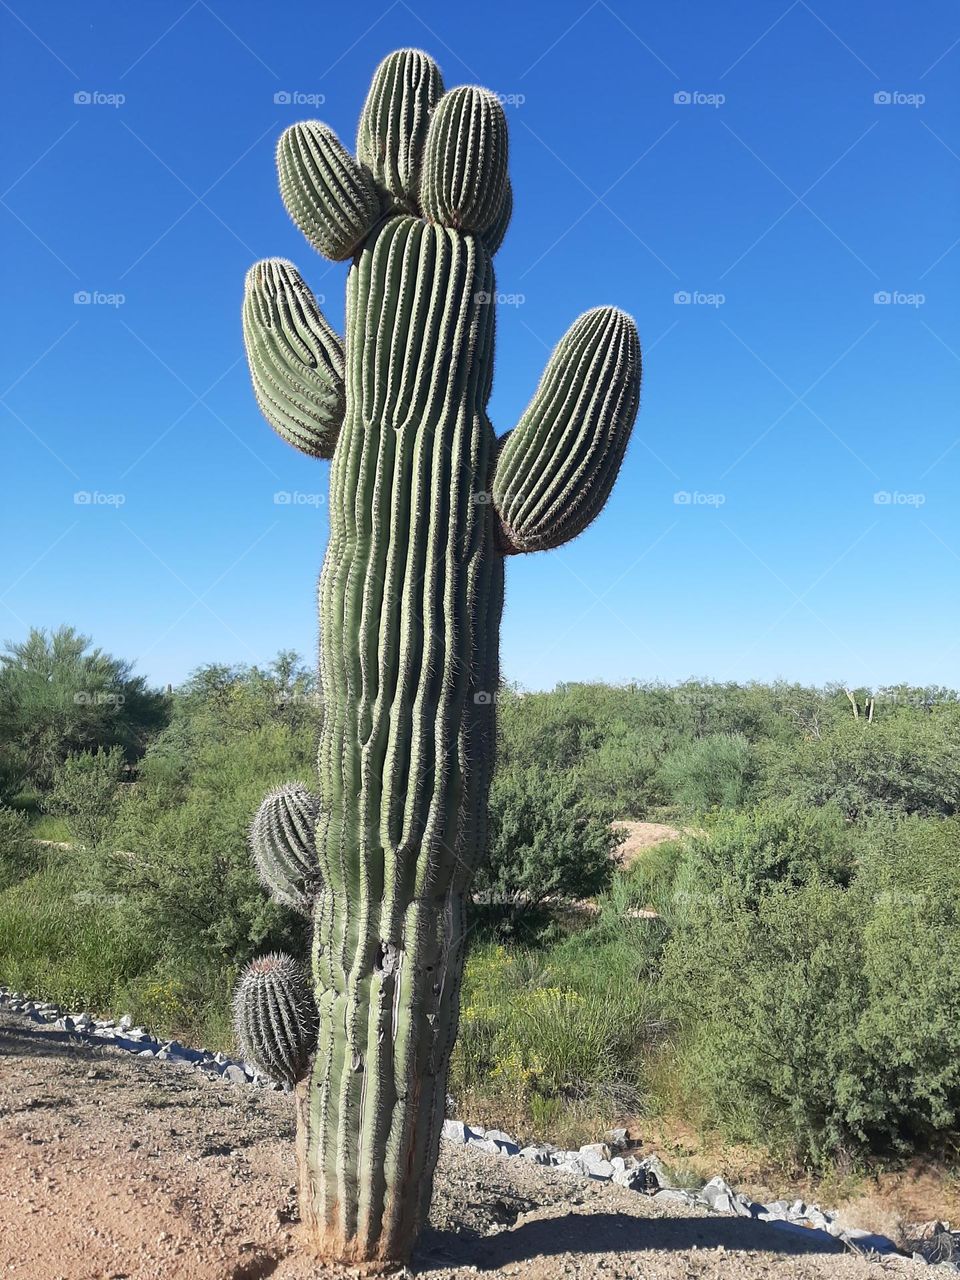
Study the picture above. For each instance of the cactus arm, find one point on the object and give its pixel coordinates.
(464, 181)
(556, 468)
(393, 125)
(275, 1018)
(295, 358)
(331, 198)
(283, 846)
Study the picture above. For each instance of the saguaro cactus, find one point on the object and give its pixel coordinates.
(425, 503)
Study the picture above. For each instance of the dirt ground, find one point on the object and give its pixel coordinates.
(115, 1168)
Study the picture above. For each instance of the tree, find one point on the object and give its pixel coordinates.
(58, 696)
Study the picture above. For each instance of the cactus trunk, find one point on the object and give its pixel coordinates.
(410, 603)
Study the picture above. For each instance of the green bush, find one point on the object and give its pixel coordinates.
(778, 844)
(545, 841)
(706, 773)
(900, 765)
(547, 1041)
(57, 696)
(86, 792)
(824, 1020)
(18, 854)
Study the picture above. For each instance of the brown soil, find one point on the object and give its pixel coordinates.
(641, 836)
(113, 1168)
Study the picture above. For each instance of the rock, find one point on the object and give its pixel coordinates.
(221, 1058)
(574, 1168)
(595, 1151)
(125, 1023)
(718, 1195)
(744, 1207)
(234, 1074)
(502, 1139)
(868, 1241)
(63, 1024)
(484, 1144)
(776, 1209)
(616, 1139)
(657, 1169)
(602, 1170)
(635, 1179)
(537, 1154)
(146, 1053)
(82, 1021)
(674, 1195)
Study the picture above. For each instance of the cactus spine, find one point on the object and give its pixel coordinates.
(411, 595)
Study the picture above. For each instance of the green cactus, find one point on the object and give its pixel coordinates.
(284, 848)
(275, 1017)
(424, 505)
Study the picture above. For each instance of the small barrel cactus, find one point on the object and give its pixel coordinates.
(275, 1017)
(425, 504)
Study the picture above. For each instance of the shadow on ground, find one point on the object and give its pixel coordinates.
(612, 1233)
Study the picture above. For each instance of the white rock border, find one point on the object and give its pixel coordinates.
(598, 1161)
(122, 1034)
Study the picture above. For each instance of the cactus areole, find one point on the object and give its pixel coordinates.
(425, 504)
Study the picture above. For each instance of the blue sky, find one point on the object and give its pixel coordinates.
(738, 156)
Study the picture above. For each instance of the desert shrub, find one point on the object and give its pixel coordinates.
(182, 857)
(621, 774)
(709, 772)
(61, 942)
(545, 840)
(86, 792)
(780, 843)
(18, 855)
(541, 1050)
(823, 1019)
(900, 765)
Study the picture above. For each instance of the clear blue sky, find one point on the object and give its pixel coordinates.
(782, 186)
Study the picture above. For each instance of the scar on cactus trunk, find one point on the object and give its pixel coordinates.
(425, 503)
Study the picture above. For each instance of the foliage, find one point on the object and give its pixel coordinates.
(779, 844)
(709, 772)
(823, 1019)
(17, 851)
(544, 1050)
(57, 696)
(86, 791)
(902, 764)
(545, 841)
